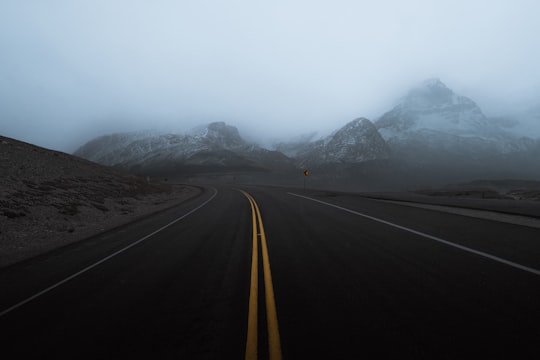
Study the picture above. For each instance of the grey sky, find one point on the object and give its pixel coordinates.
(70, 70)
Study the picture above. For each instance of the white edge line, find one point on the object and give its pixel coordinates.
(52, 287)
(461, 247)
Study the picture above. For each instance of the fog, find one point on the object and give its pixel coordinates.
(71, 70)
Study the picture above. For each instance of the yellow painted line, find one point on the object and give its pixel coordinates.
(274, 342)
(251, 343)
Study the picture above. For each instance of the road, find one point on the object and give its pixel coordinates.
(334, 276)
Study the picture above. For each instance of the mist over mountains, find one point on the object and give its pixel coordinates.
(432, 136)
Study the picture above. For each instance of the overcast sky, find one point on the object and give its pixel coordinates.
(70, 70)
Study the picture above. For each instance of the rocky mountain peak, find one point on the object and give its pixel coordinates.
(356, 141)
(431, 92)
(215, 146)
(220, 134)
(433, 83)
(359, 125)
(432, 106)
(354, 132)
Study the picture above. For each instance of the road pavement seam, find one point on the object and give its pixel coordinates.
(521, 220)
(435, 238)
(71, 277)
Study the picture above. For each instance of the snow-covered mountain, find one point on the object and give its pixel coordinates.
(432, 106)
(356, 142)
(103, 149)
(216, 145)
(431, 133)
(432, 118)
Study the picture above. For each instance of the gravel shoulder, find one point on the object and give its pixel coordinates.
(521, 220)
(520, 212)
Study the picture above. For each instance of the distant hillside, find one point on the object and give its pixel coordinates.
(49, 198)
(356, 142)
(212, 148)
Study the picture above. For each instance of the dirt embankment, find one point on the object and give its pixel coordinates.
(49, 199)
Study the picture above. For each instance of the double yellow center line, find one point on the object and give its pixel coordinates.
(274, 344)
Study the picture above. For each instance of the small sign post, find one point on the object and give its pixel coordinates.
(306, 173)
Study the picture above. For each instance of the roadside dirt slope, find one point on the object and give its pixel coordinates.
(49, 198)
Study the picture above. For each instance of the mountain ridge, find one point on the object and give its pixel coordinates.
(431, 128)
(215, 145)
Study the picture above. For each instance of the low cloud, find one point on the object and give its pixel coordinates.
(71, 70)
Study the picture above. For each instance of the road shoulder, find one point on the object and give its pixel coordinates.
(46, 229)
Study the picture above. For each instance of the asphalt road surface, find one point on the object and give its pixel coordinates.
(332, 277)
